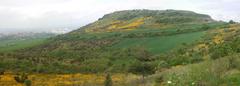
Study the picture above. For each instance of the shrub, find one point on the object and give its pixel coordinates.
(21, 78)
(108, 81)
(94, 66)
(220, 51)
(159, 79)
(1, 71)
(28, 83)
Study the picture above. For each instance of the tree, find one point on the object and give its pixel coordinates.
(143, 55)
(108, 81)
(232, 22)
(143, 69)
(205, 27)
(142, 65)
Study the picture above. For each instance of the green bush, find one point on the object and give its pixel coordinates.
(1, 71)
(108, 80)
(28, 83)
(21, 78)
(220, 51)
(94, 66)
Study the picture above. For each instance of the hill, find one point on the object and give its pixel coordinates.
(121, 41)
(93, 48)
(133, 19)
(180, 46)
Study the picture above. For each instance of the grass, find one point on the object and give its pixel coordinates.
(160, 44)
(12, 45)
(208, 73)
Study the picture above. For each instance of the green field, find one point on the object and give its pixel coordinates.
(12, 45)
(160, 44)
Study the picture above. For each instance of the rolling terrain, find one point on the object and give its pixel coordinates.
(12, 42)
(163, 46)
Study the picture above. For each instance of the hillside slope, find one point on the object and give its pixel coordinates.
(115, 42)
(220, 66)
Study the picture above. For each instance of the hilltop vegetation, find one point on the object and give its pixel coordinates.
(181, 42)
(151, 19)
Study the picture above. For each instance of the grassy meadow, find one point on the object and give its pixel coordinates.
(12, 45)
(161, 44)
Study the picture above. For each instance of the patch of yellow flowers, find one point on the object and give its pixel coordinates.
(118, 25)
(66, 79)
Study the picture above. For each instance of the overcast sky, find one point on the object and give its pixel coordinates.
(45, 15)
